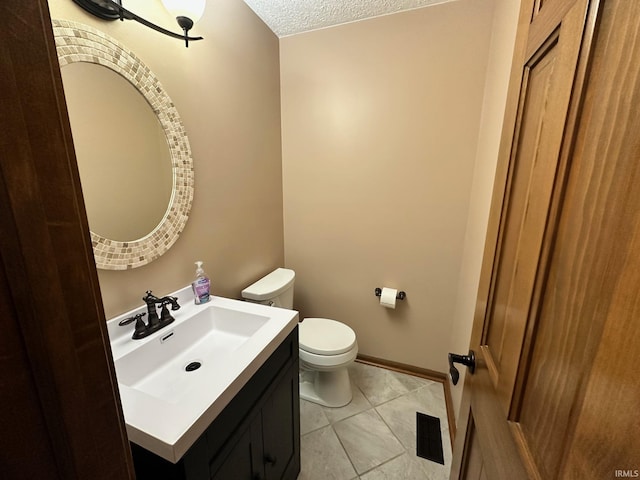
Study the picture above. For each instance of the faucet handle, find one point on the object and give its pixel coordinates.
(126, 321)
(140, 325)
(165, 316)
(174, 303)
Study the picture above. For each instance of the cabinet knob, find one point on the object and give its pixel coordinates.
(271, 459)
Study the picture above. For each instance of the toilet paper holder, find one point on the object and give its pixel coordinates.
(400, 295)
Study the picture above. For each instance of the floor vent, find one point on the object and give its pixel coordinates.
(429, 441)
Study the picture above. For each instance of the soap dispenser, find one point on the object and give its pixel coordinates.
(201, 285)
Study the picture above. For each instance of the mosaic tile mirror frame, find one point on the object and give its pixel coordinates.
(76, 42)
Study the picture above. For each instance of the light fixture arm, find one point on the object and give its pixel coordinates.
(112, 10)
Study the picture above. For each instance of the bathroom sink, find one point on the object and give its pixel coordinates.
(204, 341)
(175, 382)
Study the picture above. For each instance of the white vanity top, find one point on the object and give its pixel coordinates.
(167, 408)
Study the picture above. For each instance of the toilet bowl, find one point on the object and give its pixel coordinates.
(326, 347)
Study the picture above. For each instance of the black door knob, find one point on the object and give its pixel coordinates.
(467, 360)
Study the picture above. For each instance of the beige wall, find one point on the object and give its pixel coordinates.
(226, 89)
(503, 29)
(380, 122)
(385, 180)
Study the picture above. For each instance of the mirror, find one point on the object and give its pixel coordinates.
(127, 181)
(138, 186)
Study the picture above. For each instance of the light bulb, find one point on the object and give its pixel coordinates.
(192, 9)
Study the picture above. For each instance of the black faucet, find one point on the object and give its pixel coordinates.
(154, 323)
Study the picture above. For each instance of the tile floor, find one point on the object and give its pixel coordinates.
(374, 437)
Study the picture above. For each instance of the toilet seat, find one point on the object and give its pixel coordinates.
(325, 337)
(313, 361)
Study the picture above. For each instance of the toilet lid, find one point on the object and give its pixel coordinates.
(325, 337)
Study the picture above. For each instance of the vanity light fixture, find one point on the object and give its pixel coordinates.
(187, 12)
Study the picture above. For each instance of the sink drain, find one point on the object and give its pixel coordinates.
(193, 366)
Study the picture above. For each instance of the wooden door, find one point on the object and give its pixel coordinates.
(60, 414)
(555, 391)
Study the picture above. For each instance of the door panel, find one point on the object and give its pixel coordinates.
(244, 458)
(281, 434)
(534, 166)
(544, 102)
(571, 412)
(548, 63)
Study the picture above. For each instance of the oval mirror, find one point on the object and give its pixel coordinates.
(138, 186)
(127, 180)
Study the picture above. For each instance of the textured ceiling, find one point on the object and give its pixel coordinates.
(288, 17)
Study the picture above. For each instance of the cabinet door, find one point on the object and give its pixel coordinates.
(243, 460)
(281, 428)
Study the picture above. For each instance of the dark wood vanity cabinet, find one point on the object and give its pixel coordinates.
(266, 448)
(256, 437)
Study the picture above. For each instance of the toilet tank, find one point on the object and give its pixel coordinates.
(274, 289)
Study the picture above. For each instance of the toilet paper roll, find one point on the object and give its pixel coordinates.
(388, 297)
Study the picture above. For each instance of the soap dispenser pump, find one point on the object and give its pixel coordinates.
(201, 285)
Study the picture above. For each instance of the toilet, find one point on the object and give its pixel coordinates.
(327, 347)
